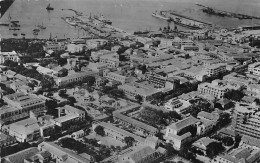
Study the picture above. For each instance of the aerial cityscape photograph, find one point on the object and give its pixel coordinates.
(129, 81)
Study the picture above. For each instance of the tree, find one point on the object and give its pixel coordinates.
(117, 93)
(139, 98)
(90, 80)
(51, 106)
(129, 141)
(62, 93)
(100, 130)
(170, 150)
(228, 141)
(235, 95)
(63, 72)
(257, 101)
(71, 100)
(214, 148)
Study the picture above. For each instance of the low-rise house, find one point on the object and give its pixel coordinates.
(138, 125)
(6, 140)
(21, 156)
(141, 154)
(145, 91)
(238, 155)
(62, 155)
(118, 133)
(78, 134)
(202, 144)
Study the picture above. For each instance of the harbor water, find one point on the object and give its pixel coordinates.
(129, 15)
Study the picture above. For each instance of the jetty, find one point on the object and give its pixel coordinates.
(222, 13)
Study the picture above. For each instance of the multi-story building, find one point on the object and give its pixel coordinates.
(73, 78)
(112, 60)
(254, 68)
(246, 120)
(19, 106)
(217, 88)
(117, 76)
(215, 69)
(55, 46)
(161, 82)
(68, 114)
(28, 130)
(13, 56)
(176, 135)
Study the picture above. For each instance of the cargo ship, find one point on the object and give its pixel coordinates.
(160, 15)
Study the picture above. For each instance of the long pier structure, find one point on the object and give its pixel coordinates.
(222, 13)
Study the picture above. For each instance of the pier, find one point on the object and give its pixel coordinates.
(222, 13)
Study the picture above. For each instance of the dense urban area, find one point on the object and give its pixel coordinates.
(166, 96)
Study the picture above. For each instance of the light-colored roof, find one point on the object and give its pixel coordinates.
(208, 116)
(135, 122)
(57, 150)
(184, 123)
(20, 156)
(121, 131)
(203, 143)
(250, 141)
(65, 118)
(140, 153)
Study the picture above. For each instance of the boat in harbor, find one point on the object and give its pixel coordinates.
(36, 30)
(23, 34)
(15, 34)
(49, 7)
(160, 15)
(103, 19)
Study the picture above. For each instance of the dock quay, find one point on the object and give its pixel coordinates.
(222, 13)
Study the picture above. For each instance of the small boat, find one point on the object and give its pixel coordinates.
(36, 30)
(15, 34)
(35, 33)
(23, 34)
(14, 28)
(49, 7)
